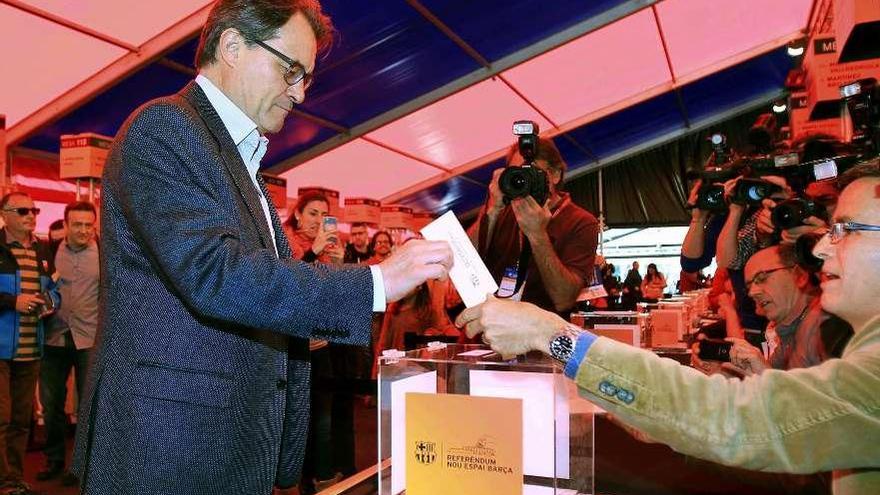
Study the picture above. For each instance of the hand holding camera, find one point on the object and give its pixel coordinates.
(531, 217)
(495, 202)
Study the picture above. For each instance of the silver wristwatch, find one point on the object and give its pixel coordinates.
(562, 344)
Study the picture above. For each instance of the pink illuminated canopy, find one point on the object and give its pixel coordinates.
(702, 33)
(56, 59)
(359, 169)
(132, 22)
(462, 127)
(595, 71)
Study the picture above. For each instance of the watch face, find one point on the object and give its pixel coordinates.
(562, 347)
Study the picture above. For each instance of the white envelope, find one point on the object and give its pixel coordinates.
(468, 273)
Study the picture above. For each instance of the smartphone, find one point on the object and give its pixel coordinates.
(715, 350)
(330, 225)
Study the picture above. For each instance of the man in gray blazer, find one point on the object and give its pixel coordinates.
(200, 383)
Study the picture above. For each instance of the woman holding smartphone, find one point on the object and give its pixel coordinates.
(312, 232)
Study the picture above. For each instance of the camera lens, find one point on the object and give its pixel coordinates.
(711, 198)
(792, 213)
(514, 183)
(756, 192)
(753, 191)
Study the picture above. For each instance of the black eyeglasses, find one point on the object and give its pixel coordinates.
(295, 71)
(24, 211)
(839, 230)
(762, 277)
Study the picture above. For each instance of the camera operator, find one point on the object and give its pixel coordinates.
(698, 247)
(562, 236)
(746, 230)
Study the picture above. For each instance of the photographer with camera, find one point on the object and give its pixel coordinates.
(698, 247)
(536, 242)
(707, 206)
(746, 230)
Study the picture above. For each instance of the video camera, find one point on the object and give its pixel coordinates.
(862, 99)
(528, 179)
(786, 163)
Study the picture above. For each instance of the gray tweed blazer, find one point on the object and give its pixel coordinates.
(200, 378)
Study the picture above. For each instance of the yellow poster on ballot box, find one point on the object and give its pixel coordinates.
(463, 444)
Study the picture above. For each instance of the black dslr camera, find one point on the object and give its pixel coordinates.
(792, 213)
(528, 179)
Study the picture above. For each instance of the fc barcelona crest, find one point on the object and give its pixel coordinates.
(426, 452)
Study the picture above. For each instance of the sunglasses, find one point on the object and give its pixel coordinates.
(24, 211)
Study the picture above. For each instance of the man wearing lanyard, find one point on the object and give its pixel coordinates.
(562, 236)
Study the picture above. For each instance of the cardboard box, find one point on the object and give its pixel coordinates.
(857, 27)
(396, 217)
(667, 327)
(420, 219)
(825, 76)
(801, 125)
(83, 155)
(622, 326)
(363, 210)
(277, 187)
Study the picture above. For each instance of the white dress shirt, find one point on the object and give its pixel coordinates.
(252, 147)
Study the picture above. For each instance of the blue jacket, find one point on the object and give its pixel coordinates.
(10, 288)
(200, 379)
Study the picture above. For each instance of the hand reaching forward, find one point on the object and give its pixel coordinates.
(511, 327)
(412, 264)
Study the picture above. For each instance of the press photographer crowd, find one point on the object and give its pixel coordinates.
(185, 334)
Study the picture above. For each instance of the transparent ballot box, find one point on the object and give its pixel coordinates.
(458, 419)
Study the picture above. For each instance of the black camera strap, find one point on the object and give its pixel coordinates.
(522, 265)
(525, 253)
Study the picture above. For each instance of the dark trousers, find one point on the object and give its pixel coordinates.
(57, 363)
(18, 380)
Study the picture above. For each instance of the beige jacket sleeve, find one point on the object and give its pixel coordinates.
(800, 421)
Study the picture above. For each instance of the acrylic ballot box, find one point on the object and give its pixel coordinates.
(460, 419)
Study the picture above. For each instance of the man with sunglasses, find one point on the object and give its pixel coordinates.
(200, 381)
(807, 420)
(27, 291)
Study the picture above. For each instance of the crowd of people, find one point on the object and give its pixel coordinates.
(802, 328)
(43, 339)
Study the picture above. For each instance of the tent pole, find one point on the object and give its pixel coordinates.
(601, 215)
(5, 163)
